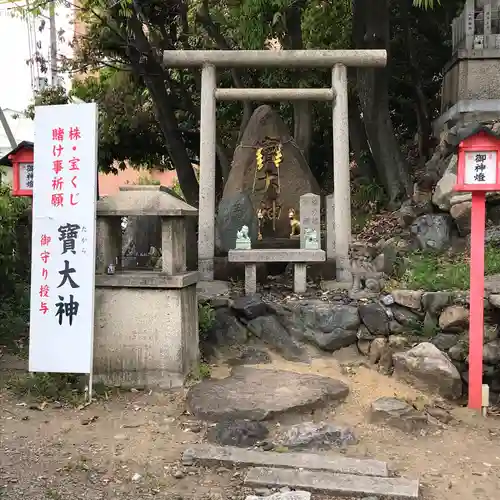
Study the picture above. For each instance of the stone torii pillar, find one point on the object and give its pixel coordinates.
(337, 61)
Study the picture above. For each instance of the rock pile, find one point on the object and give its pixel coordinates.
(437, 213)
(420, 337)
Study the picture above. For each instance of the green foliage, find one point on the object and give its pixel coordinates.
(15, 240)
(435, 272)
(200, 372)
(206, 319)
(147, 180)
(176, 188)
(48, 387)
(47, 96)
(367, 196)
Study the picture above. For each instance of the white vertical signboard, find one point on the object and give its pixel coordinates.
(63, 246)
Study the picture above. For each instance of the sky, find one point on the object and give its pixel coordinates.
(15, 84)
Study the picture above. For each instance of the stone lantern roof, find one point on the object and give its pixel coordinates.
(137, 200)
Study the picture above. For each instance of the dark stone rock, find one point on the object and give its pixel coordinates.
(396, 328)
(406, 317)
(426, 367)
(491, 352)
(270, 331)
(397, 413)
(445, 341)
(492, 282)
(250, 355)
(233, 213)
(430, 325)
(227, 330)
(325, 317)
(454, 319)
(374, 317)
(377, 348)
(432, 231)
(458, 352)
(492, 235)
(255, 394)
(241, 433)
(332, 341)
(249, 306)
(322, 436)
(364, 334)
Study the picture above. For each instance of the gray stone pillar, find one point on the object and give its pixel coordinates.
(341, 178)
(330, 226)
(173, 245)
(310, 213)
(250, 278)
(300, 277)
(108, 243)
(206, 218)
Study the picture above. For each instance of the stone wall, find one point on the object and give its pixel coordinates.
(439, 217)
(420, 337)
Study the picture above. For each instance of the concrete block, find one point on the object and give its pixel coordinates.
(228, 455)
(335, 484)
(276, 255)
(299, 277)
(250, 279)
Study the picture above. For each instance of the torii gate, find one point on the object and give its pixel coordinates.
(337, 60)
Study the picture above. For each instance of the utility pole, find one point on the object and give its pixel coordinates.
(8, 131)
(53, 44)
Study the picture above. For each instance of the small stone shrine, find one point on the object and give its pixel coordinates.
(146, 323)
(308, 230)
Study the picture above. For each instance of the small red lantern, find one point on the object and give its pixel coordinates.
(478, 172)
(21, 161)
(479, 163)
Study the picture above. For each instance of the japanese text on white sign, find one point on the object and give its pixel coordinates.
(481, 167)
(63, 246)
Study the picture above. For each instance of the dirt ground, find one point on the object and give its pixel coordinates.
(129, 446)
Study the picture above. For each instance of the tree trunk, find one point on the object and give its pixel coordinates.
(145, 63)
(421, 107)
(359, 143)
(372, 31)
(302, 112)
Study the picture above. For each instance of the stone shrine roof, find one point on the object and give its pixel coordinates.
(139, 200)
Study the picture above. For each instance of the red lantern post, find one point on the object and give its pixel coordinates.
(478, 173)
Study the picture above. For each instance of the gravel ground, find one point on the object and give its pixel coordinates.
(129, 446)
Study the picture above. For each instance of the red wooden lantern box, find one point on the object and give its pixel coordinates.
(21, 161)
(479, 163)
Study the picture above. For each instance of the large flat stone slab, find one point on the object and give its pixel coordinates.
(229, 455)
(253, 394)
(335, 484)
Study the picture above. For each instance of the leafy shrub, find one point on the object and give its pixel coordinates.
(206, 319)
(15, 265)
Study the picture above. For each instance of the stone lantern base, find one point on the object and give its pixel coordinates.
(146, 329)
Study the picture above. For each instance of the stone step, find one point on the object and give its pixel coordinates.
(329, 483)
(227, 455)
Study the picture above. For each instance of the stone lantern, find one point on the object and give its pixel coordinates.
(146, 325)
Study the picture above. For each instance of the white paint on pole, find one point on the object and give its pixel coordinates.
(63, 245)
